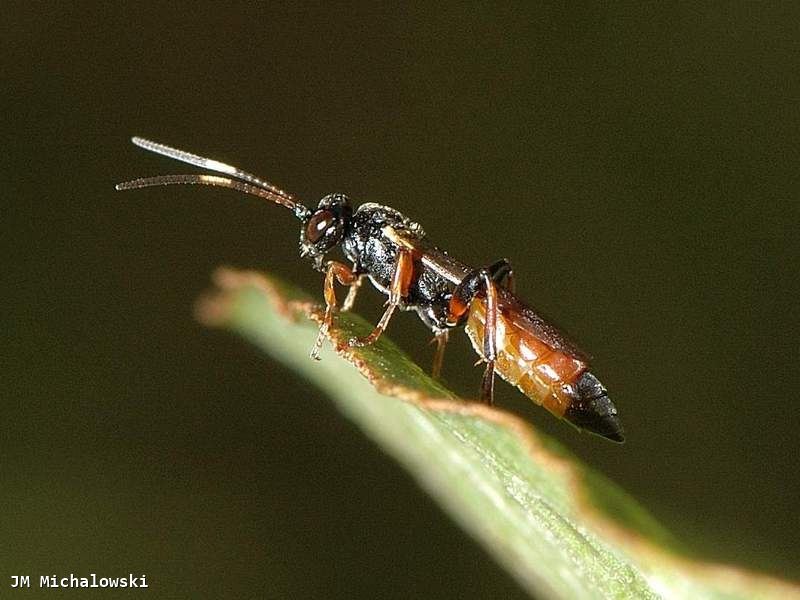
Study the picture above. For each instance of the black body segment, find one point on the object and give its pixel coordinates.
(593, 410)
(375, 255)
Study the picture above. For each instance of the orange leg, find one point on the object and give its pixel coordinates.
(489, 341)
(350, 299)
(341, 273)
(401, 280)
(479, 282)
(441, 341)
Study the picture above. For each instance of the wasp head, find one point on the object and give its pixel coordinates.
(324, 227)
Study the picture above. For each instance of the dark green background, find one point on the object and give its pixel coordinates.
(638, 164)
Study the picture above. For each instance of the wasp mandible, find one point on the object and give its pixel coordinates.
(395, 254)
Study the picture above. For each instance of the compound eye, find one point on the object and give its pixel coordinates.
(319, 223)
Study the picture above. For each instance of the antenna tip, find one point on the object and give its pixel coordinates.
(125, 185)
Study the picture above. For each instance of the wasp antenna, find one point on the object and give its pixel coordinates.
(298, 209)
(208, 163)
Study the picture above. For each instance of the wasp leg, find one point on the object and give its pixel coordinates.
(350, 299)
(401, 280)
(503, 274)
(479, 282)
(440, 339)
(341, 273)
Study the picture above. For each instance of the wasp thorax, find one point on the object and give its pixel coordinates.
(325, 226)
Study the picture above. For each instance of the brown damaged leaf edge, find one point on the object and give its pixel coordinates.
(214, 308)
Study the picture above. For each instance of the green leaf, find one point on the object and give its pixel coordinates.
(561, 529)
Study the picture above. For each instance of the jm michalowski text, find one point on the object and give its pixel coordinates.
(75, 581)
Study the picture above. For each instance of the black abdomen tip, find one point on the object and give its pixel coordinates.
(593, 410)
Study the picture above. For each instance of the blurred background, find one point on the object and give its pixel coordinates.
(637, 164)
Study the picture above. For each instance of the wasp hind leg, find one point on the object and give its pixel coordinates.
(401, 280)
(502, 274)
(334, 271)
(476, 283)
(440, 339)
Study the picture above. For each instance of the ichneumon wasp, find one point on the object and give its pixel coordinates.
(397, 256)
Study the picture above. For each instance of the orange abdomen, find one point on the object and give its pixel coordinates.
(546, 376)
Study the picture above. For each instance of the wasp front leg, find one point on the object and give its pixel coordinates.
(476, 283)
(341, 273)
(401, 280)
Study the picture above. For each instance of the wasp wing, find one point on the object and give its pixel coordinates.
(525, 317)
(511, 307)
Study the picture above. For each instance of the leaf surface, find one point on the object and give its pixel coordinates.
(561, 529)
